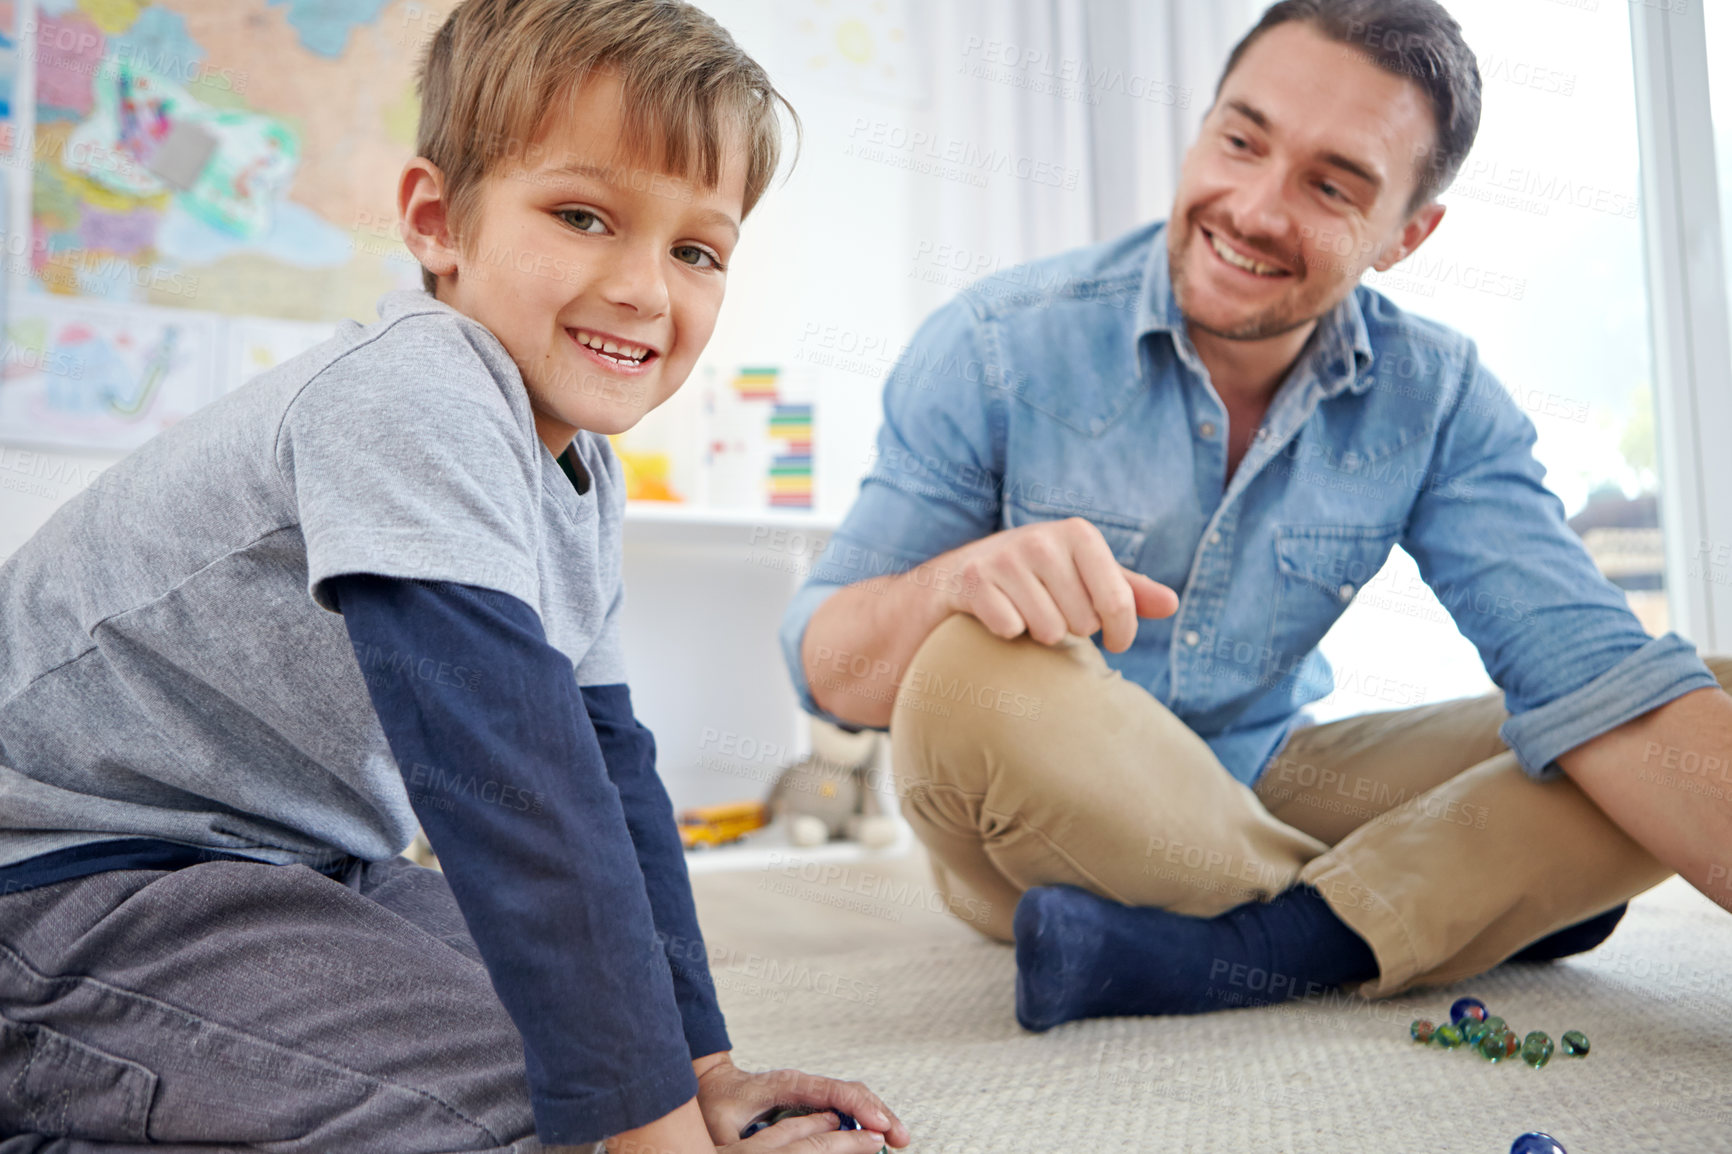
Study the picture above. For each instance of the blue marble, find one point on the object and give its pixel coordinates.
(1537, 1143)
(771, 1117)
(1467, 1008)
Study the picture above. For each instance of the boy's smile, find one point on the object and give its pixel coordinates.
(600, 273)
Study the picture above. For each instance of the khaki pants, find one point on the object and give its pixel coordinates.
(1417, 825)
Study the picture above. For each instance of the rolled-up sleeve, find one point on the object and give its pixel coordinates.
(1555, 635)
(935, 480)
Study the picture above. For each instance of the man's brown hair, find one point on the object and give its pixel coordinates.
(497, 69)
(1415, 39)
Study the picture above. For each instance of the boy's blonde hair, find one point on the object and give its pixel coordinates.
(497, 69)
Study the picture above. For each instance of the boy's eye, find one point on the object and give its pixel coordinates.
(1329, 190)
(1236, 141)
(581, 219)
(697, 257)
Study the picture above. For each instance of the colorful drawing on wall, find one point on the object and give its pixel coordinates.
(101, 377)
(236, 156)
(860, 47)
(254, 345)
(8, 69)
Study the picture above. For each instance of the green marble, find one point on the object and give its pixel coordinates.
(1474, 1031)
(1496, 1047)
(1575, 1043)
(1536, 1049)
(1494, 1023)
(1449, 1037)
(1421, 1030)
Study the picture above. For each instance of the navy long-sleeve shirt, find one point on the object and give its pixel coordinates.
(559, 842)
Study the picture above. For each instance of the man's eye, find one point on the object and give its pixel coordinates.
(696, 257)
(581, 219)
(1236, 141)
(1329, 190)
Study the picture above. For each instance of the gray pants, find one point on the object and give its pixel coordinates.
(238, 1007)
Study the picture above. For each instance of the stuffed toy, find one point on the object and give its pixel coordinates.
(829, 793)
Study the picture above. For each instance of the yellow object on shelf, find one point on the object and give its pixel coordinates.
(646, 475)
(712, 825)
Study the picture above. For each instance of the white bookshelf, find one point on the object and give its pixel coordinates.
(669, 523)
(705, 591)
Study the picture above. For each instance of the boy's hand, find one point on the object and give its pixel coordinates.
(808, 1134)
(731, 1097)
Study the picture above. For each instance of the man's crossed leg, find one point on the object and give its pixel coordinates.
(1417, 828)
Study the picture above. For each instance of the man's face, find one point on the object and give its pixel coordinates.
(601, 278)
(1298, 182)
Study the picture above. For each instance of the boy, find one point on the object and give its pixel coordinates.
(206, 934)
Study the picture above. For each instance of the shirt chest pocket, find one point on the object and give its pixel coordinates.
(1319, 569)
(1125, 536)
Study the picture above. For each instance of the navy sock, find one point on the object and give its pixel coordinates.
(1082, 956)
(1576, 939)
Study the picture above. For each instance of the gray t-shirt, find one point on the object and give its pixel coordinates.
(169, 666)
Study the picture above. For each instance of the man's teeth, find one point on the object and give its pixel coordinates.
(613, 350)
(1238, 261)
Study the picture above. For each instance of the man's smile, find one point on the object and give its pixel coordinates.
(1244, 262)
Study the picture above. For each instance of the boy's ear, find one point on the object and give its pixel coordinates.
(421, 213)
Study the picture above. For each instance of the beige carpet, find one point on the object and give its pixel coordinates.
(852, 975)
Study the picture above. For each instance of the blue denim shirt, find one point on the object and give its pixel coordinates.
(1069, 387)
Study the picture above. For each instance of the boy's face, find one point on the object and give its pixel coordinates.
(601, 278)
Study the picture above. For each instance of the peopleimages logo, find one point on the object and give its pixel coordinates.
(951, 156)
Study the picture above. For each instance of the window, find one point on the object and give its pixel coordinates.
(1540, 261)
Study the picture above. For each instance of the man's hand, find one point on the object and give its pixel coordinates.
(1045, 580)
(1054, 578)
(731, 1097)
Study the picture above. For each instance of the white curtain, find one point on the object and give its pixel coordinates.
(1068, 118)
(1170, 53)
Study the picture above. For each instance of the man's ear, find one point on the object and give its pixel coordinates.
(1420, 225)
(421, 214)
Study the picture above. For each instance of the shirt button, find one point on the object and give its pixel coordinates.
(1346, 592)
(1214, 538)
(1207, 428)
(1192, 637)
(1262, 434)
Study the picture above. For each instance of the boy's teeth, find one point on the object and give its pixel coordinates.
(613, 349)
(1238, 261)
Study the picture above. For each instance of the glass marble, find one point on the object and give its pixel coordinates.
(1494, 1023)
(778, 1113)
(1535, 1142)
(1449, 1037)
(1422, 1030)
(1467, 1008)
(1537, 1049)
(1575, 1043)
(1474, 1031)
(1496, 1047)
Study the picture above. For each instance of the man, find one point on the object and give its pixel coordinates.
(1209, 425)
